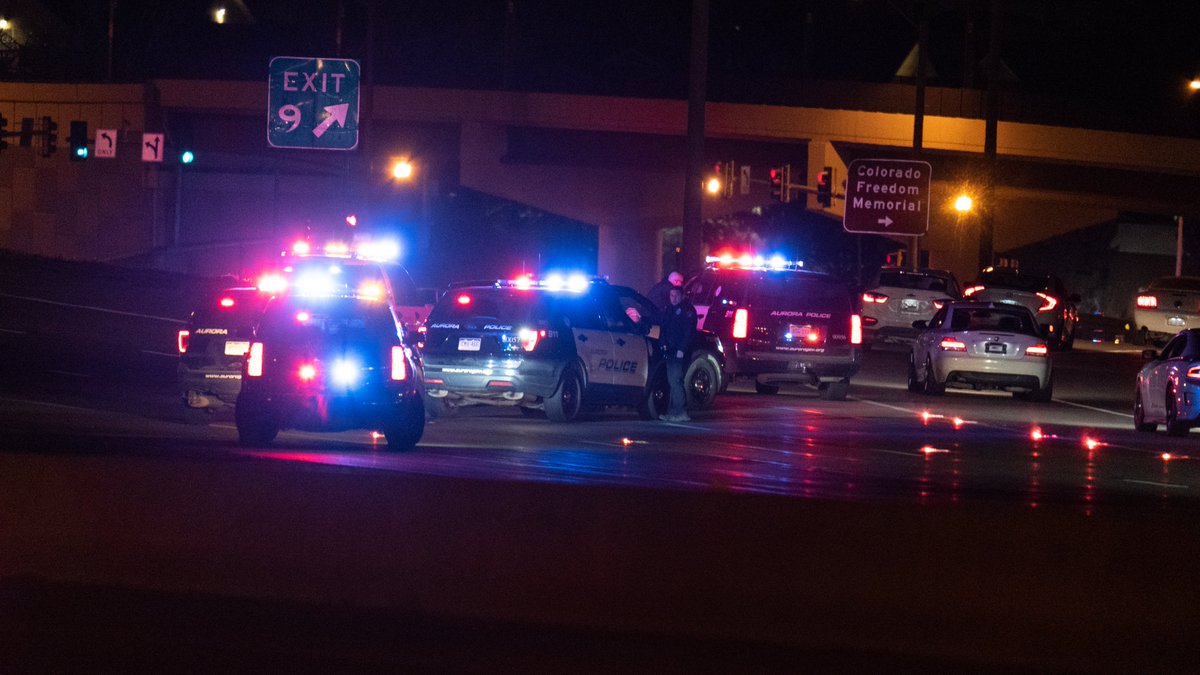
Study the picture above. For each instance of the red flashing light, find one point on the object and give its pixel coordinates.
(301, 247)
(307, 372)
(1036, 434)
(741, 323)
(972, 290)
(399, 364)
(254, 364)
(303, 317)
(463, 299)
(182, 340)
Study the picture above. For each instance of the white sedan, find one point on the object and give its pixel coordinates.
(981, 345)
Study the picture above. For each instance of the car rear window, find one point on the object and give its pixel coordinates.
(998, 319)
(1176, 284)
(1009, 279)
(909, 280)
(246, 307)
(493, 305)
(800, 291)
(318, 320)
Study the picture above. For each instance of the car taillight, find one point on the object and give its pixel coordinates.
(1193, 373)
(254, 363)
(1037, 350)
(972, 290)
(870, 297)
(307, 372)
(952, 345)
(1049, 302)
(1147, 301)
(529, 338)
(182, 340)
(399, 364)
(869, 321)
(741, 323)
(855, 329)
(938, 304)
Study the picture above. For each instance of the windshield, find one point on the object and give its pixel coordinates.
(914, 281)
(317, 320)
(998, 319)
(800, 291)
(1176, 284)
(1012, 279)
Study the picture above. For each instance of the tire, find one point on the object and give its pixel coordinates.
(403, 432)
(1045, 394)
(1175, 426)
(567, 400)
(256, 428)
(1139, 414)
(914, 385)
(768, 389)
(657, 398)
(931, 386)
(834, 391)
(701, 382)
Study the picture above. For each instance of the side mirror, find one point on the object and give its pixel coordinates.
(1150, 354)
(921, 324)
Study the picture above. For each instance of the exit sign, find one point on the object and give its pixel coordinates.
(312, 103)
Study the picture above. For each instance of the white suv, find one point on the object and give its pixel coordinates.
(901, 296)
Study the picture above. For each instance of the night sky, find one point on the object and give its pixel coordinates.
(1126, 54)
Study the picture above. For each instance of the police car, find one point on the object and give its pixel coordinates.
(212, 347)
(330, 362)
(780, 323)
(555, 345)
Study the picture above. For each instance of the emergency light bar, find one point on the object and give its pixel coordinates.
(753, 262)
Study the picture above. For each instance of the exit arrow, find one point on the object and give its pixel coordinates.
(885, 221)
(337, 113)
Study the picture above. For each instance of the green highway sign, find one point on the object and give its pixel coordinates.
(313, 103)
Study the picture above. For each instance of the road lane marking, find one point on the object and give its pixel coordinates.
(14, 332)
(151, 351)
(68, 373)
(94, 309)
(1090, 407)
(1175, 486)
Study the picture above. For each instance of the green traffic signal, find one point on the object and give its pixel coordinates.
(187, 157)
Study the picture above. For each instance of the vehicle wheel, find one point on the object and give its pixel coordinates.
(764, 388)
(1045, 394)
(834, 391)
(657, 398)
(931, 385)
(914, 385)
(403, 432)
(255, 428)
(1175, 426)
(564, 404)
(700, 382)
(1139, 414)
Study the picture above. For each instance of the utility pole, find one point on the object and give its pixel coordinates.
(693, 238)
(919, 112)
(987, 220)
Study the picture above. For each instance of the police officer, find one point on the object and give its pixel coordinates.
(679, 326)
(659, 292)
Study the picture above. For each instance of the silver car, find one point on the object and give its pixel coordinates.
(1167, 306)
(901, 296)
(981, 345)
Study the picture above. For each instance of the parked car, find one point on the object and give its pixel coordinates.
(981, 345)
(900, 296)
(212, 347)
(1166, 306)
(1168, 386)
(780, 323)
(1043, 294)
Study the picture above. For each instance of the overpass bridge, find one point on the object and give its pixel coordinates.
(615, 163)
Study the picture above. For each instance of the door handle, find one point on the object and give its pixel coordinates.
(583, 338)
(620, 342)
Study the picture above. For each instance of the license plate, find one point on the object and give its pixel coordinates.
(910, 306)
(468, 344)
(995, 348)
(236, 348)
(1175, 321)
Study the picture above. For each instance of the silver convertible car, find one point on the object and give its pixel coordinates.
(981, 345)
(1168, 386)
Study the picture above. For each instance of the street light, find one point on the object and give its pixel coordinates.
(402, 169)
(963, 203)
(713, 186)
(1194, 84)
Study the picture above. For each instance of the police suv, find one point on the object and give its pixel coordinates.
(557, 345)
(212, 347)
(330, 363)
(780, 323)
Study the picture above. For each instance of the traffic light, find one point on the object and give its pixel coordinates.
(187, 157)
(825, 187)
(78, 140)
(50, 131)
(3, 132)
(780, 178)
(26, 132)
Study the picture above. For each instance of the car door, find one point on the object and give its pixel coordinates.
(593, 341)
(1156, 388)
(921, 347)
(631, 344)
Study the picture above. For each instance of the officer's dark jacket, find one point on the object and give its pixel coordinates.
(678, 328)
